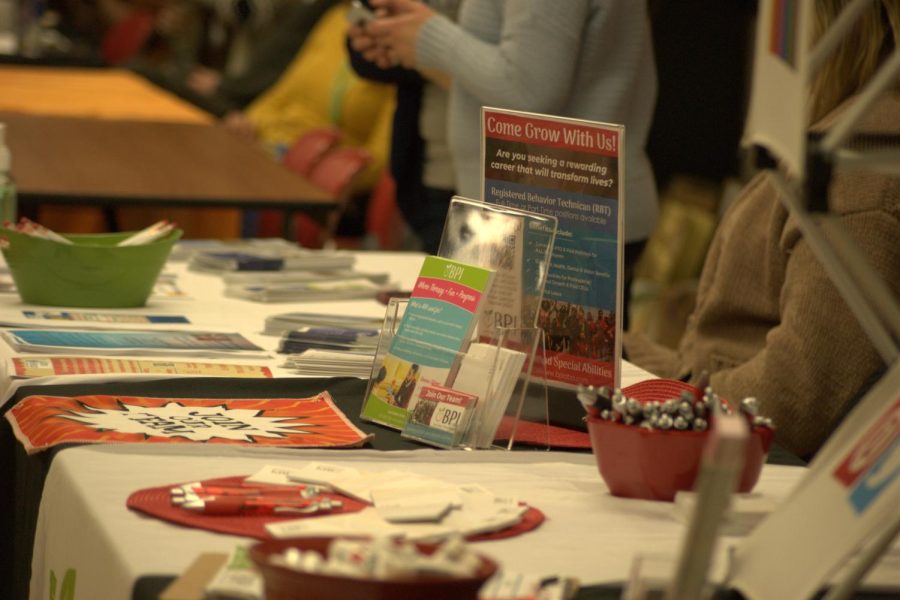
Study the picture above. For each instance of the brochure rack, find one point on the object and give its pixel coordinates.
(475, 397)
(529, 402)
(517, 244)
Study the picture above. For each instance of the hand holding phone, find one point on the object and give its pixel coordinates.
(359, 14)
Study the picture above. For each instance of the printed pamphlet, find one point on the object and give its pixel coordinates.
(130, 342)
(55, 366)
(328, 338)
(571, 169)
(104, 318)
(437, 325)
(488, 366)
(309, 291)
(331, 363)
(298, 276)
(280, 323)
(272, 260)
(54, 318)
(184, 250)
(439, 415)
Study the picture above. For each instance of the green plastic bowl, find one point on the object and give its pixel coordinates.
(92, 272)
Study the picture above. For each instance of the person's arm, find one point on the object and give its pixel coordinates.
(530, 68)
(817, 359)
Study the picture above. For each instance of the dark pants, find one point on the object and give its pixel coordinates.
(426, 216)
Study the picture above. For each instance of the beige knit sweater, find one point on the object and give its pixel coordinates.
(769, 323)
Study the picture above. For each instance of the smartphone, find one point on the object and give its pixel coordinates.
(359, 14)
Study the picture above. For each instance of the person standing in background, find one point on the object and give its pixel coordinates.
(588, 59)
(420, 162)
(320, 89)
(768, 322)
(266, 38)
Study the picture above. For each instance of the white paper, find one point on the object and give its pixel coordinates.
(845, 499)
(777, 118)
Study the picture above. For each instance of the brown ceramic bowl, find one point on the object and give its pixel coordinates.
(283, 583)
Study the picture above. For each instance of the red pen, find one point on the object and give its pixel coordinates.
(227, 490)
(234, 505)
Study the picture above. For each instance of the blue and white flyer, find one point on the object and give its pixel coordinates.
(570, 169)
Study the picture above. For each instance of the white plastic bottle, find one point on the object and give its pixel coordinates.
(7, 185)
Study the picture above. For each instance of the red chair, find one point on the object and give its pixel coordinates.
(338, 170)
(384, 222)
(309, 148)
(124, 39)
(306, 151)
(335, 173)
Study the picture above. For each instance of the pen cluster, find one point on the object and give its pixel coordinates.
(686, 412)
(255, 499)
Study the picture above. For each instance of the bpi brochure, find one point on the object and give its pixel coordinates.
(570, 169)
(437, 325)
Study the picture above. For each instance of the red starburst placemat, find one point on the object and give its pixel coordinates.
(156, 502)
(40, 422)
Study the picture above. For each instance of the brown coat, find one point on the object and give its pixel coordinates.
(769, 323)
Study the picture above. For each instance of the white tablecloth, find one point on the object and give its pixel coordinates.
(84, 524)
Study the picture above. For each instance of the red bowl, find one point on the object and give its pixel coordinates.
(283, 583)
(653, 464)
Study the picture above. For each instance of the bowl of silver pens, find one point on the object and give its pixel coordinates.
(648, 438)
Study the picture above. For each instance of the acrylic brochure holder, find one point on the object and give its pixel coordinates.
(518, 245)
(467, 399)
(475, 397)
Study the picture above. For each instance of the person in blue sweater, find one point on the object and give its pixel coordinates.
(592, 59)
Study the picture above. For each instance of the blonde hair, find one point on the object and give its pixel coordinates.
(857, 57)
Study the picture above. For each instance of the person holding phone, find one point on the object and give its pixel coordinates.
(421, 162)
(592, 59)
(359, 14)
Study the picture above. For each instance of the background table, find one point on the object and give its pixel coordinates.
(128, 162)
(91, 93)
(109, 138)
